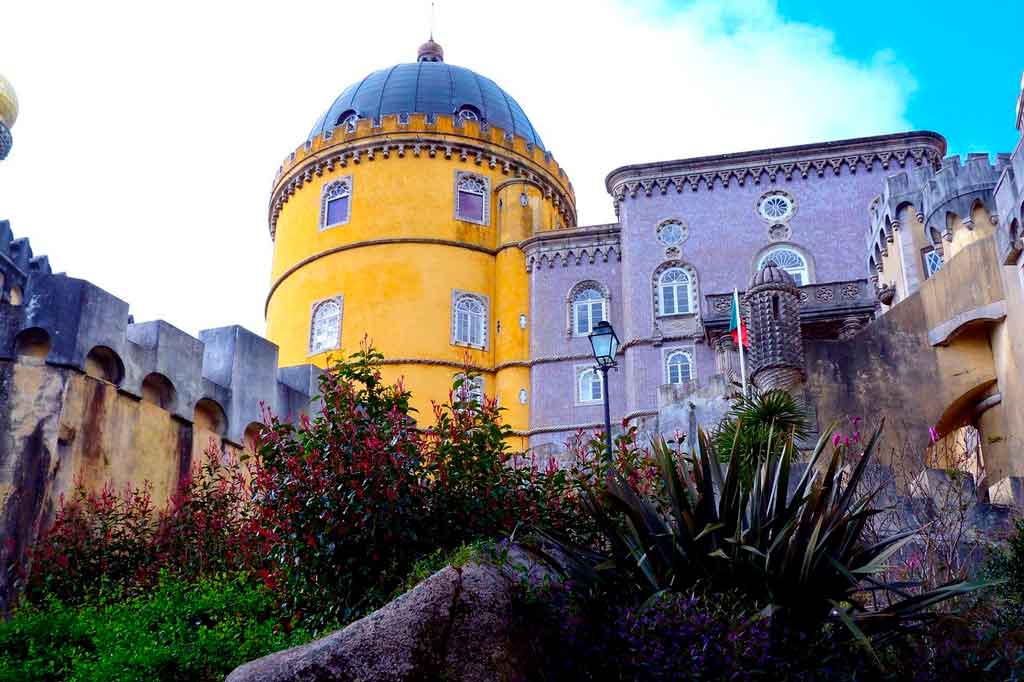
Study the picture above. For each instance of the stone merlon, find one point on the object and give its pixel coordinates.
(231, 366)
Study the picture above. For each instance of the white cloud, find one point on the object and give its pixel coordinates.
(149, 134)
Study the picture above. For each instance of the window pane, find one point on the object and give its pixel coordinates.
(337, 210)
(471, 206)
(668, 300)
(682, 299)
(582, 319)
(597, 312)
(595, 386)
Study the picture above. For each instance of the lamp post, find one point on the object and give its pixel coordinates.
(605, 344)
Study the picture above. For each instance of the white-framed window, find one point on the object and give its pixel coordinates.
(790, 261)
(588, 386)
(776, 206)
(672, 232)
(932, 262)
(674, 292)
(335, 203)
(472, 198)
(325, 325)
(472, 388)
(347, 120)
(589, 306)
(468, 112)
(469, 319)
(678, 367)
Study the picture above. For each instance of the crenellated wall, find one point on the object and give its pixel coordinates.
(87, 396)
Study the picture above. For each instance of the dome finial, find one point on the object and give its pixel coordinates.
(430, 51)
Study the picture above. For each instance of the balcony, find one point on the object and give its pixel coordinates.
(824, 307)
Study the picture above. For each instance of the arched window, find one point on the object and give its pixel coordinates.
(347, 119)
(471, 389)
(790, 261)
(469, 320)
(468, 112)
(335, 203)
(674, 292)
(589, 306)
(325, 326)
(472, 198)
(678, 367)
(589, 388)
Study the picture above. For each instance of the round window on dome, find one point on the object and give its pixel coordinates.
(775, 206)
(672, 232)
(468, 113)
(347, 120)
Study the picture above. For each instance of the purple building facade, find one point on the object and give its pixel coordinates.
(689, 232)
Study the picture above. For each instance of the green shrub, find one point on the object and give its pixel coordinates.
(194, 631)
(801, 552)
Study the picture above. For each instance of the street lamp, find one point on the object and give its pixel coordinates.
(605, 344)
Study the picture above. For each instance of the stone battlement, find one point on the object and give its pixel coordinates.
(1009, 199)
(72, 323)
(17, 262)
(397, 135)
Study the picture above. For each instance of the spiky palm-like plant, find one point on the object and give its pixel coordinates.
(796, 544)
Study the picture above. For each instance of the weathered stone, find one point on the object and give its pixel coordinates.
(456, 625)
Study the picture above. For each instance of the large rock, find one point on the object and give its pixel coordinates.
(456, 625)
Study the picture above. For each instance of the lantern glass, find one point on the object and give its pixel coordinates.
(605, 344)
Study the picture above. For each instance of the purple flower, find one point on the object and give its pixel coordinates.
(837, 438)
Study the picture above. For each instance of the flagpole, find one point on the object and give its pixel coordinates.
(739, 338)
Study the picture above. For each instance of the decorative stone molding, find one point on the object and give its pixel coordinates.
(380, 242)
(773, 165)
(886, 293)
(573, 246)
(438, 139)
(6, 141)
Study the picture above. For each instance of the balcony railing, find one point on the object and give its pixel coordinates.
(818, 302)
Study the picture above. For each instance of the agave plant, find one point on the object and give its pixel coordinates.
(752, 426)
(798, 547)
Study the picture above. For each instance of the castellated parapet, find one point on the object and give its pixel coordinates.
(75, 324)
(776, 344)
(433, 136)
(956, 188)
(1009, 199)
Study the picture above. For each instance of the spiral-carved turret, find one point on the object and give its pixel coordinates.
(776, 346)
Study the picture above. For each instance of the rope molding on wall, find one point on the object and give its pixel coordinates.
(380, 242)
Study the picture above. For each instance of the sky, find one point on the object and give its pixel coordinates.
(149, 133)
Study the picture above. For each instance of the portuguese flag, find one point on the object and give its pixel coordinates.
(737, 329)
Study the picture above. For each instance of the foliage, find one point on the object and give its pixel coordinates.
(337, 497)
(478, 488)
(757, 425)
(347, 502)
(179, 631)
(115, 542)
(797, 547)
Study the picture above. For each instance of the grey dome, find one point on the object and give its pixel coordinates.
(772, 274)
(428, 87)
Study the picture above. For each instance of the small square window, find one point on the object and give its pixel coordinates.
(471, 206)
(337, 210)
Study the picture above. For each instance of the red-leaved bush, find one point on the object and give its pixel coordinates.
(337, 507)
(116, 540)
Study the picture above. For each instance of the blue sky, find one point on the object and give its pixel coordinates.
(961, 55)
(200, 131)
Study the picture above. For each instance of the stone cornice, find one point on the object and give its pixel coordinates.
(572, 246)
(707, 171)
(437, 139)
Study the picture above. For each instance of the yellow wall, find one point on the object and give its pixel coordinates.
(402, 253)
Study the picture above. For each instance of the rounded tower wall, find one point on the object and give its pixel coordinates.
(396, 265)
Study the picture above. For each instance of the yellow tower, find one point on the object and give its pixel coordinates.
(400, 219)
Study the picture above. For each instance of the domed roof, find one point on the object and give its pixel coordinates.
(429, 86)
(771, 273)
(8, 103)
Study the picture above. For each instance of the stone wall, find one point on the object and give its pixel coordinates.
(87, 396)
